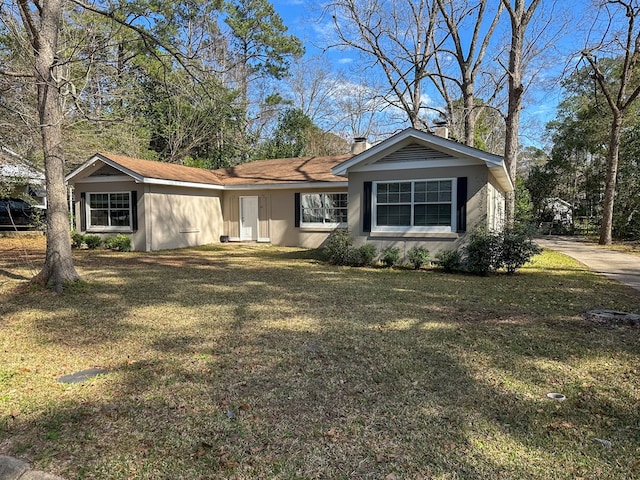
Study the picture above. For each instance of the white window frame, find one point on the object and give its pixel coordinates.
(413, 229)
(107, 228)
(325, 225)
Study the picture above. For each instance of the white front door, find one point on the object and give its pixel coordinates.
(249, 218)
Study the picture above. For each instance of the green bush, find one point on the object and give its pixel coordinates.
(390, 256)
(338, 247)
(517, 249)
(483, 252)
(418, 256)
(77, 239)
(449, 260)
(92, 241)
(363, 256)
(120, 242)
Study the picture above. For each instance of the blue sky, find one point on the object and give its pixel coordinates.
(303, 20)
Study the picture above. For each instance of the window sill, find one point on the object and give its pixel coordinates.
(317, 229)
(108, 230)
(321, 228)
(444, 235)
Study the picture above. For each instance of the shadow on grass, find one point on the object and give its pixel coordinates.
(242, 366)
(360, 403)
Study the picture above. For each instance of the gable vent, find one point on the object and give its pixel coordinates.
(106, 171)
(412, 153)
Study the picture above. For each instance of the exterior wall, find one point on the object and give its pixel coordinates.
(178, 217)
(137, 237)
(477, 180)
(276, 217)
(168, 217)
(496, 207)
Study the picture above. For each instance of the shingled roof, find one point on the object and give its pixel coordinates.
(163, 170)
(282, 171)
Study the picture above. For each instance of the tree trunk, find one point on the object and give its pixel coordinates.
(512, 120)
(511, 143)
(469, 112)
(612, 172)
(58, 268)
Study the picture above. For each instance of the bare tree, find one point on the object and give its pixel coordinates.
(314, 86)
(520, 16)
(36, 27)
(619, 40)
(396, 36)
(42, 21)
(469, 55)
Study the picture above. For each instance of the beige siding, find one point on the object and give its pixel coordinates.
(181, 217)
(138, 239)
(477, 178)
(276, 217)
(168, 217)
(496, 207)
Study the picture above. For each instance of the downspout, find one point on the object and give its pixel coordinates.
(148, 219)
(72, 215)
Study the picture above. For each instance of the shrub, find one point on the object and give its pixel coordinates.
(483, 252)
(338, 247)
(92, 241)
(120, 242)
(390, 256)
(517, 249)
(449, 260)
(364, 255)
(418, 256)
(77, 239)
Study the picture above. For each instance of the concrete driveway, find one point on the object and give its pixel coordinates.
(618, 266)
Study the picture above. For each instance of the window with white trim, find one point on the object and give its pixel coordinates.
(109, 211)
(420, 205)
(323, 209)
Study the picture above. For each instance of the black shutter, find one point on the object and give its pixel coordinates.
(134, 210)
(83, 212)
(461, 204)
(367, 194)
(296, 214)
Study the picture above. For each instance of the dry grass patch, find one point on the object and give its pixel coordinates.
(260, 362)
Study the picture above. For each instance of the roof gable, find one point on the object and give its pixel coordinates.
(412, 148)
(145, 171)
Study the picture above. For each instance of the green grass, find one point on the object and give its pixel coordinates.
(261, 362)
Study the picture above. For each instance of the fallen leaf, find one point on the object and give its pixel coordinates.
(332, 433)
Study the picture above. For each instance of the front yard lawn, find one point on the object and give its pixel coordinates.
(249, 362)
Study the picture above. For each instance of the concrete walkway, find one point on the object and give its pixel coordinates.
(14, 469)
(618, 266)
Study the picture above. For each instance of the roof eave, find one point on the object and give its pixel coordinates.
(285, 186)
(398, 140)
(106, 160)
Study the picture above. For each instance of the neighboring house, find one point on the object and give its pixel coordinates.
(413, 188)
(20, 177)
(558, 211)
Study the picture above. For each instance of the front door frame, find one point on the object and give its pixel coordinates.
(255, 233)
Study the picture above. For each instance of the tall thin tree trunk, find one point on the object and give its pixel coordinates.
(512, 124)
(610, 185)
(520, 16)
(469, 112)
(58, 268)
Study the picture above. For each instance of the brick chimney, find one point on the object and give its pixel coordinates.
(359, 145)
(441, 131)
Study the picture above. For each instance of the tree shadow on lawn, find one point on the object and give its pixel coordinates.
(329, 403)
(254, 370)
